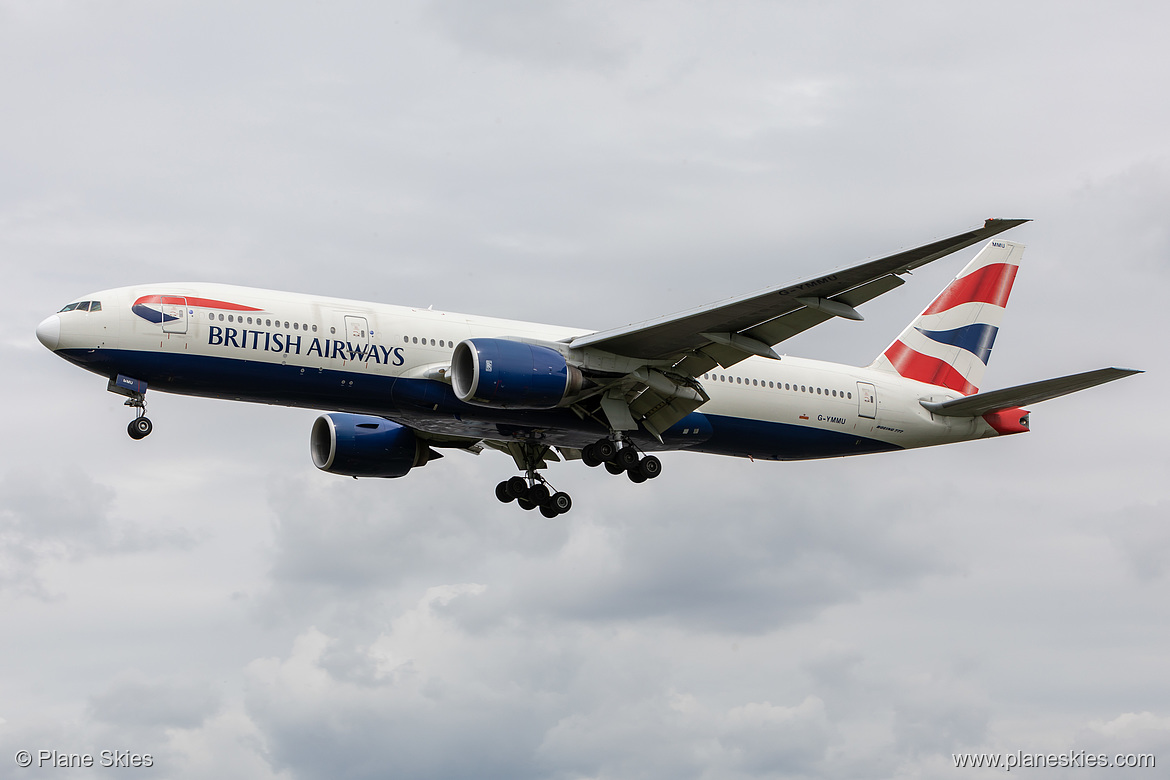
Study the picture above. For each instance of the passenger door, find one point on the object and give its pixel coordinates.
(866, 400)
(174, 315)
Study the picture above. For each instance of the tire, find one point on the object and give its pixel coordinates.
(627, 458)
(590, 457)
(139, 428)
(548, 511)
(502, 493)
(525, 504)
(650, 467)
(605, 449)
(561, 503)
(538, 494)
(518, 487)
(635, 476)
(613, 468)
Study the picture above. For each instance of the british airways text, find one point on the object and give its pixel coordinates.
(292, 345)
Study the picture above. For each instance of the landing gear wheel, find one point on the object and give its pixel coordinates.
(590, 457)
(635, 476)
(525, 504)
(627, 458)
(537, 494)
(548, 511)
(503, 494)
(561, 503)
(517, 487)
(613, 468)
(650, 467)
(605, 449)
(139, 428)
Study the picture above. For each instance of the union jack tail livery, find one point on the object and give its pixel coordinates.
(949, 344)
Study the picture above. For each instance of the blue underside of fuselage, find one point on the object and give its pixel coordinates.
(431, 406)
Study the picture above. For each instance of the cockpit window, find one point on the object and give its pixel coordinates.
(83, 306)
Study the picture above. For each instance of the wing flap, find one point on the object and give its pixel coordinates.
(1022, 395)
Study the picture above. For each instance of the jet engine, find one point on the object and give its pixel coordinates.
(511, 374)
(355, 445)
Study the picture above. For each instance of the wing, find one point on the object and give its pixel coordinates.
(729, 331)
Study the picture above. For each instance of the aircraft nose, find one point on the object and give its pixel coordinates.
(49, 331)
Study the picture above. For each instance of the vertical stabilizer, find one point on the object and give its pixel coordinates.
(950, 343)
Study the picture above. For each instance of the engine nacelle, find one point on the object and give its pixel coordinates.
(355, 445)
(511, 374)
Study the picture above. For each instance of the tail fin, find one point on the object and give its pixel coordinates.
(949, 344)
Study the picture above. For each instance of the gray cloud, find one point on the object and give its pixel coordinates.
(138, 703)
(51, 514)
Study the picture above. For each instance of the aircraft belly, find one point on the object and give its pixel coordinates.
(431, 406)
(767, 440)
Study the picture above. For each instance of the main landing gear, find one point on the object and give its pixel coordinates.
(533, 492)
(621, 457)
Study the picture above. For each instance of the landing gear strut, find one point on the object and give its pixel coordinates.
(135, 392)
(141, 426)
(621, 459)
(533, 491)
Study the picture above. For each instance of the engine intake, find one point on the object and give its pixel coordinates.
(512, 375)
(355, 445)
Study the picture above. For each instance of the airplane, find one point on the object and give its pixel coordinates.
(400, 384)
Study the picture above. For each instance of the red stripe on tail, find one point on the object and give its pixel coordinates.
(923, 368)
(990, 284)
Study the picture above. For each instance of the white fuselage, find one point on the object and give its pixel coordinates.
(340, 355)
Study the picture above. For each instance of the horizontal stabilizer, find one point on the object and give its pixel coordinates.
(1022, 395)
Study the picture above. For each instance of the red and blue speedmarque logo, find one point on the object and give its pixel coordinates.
(152, 307)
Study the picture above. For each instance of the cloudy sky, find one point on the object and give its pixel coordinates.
(208, 597)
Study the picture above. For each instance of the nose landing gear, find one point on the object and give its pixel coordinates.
(135, 392)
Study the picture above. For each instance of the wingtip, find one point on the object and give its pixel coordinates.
(1002, 222)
